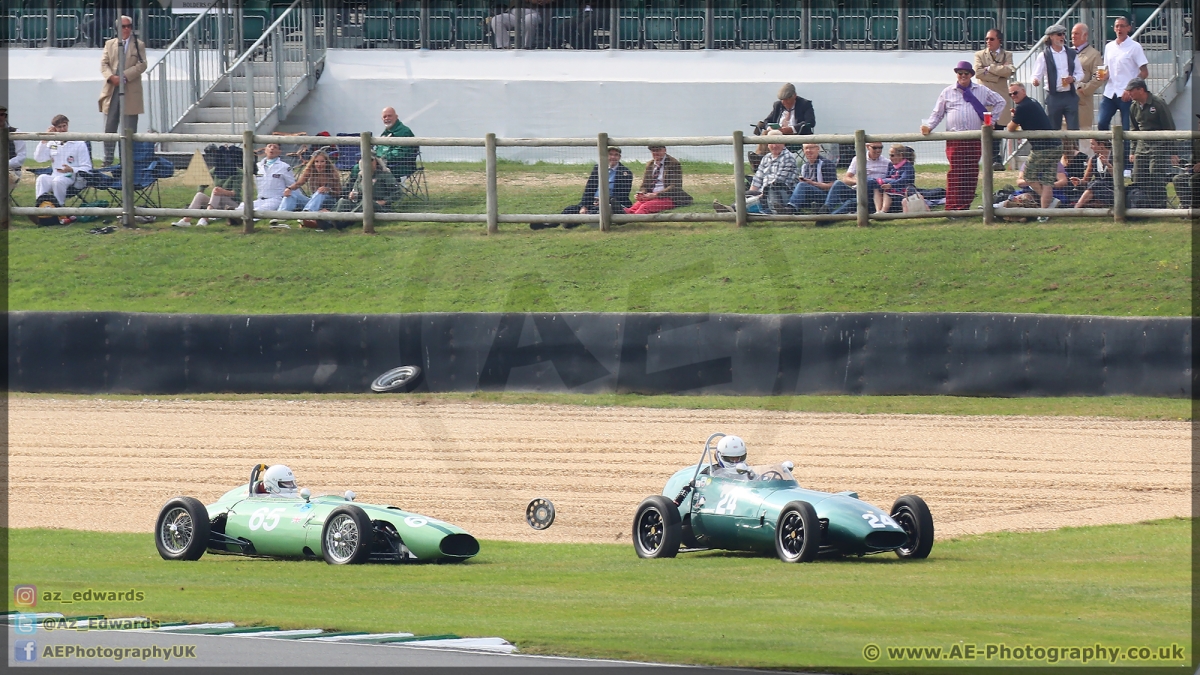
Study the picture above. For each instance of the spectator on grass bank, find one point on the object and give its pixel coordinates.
(900, 180)
(225, 195)
(67, 160)
(401, 159)
(1124, 60)
(662, 185)
(791, 114)
(321, 178)
(16, 151)
(843, 196)
(124, 58)
(963, 106)
(773, 181)
(1090, 59)
(993, 67)
(1151, 159)
(1041, 169)
(274, 176)
(620, 182)
(1059, 69)
(817, 176)
(385, 191)
(1097, 181)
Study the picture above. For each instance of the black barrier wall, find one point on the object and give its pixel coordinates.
(868, 353)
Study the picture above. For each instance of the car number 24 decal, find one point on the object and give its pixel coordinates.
(878, 521)
(267, 518)
(728, 501)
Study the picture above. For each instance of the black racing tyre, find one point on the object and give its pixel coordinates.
(397, 379)
(912, 514)
(347, 536)
(656, 528)
(797, 533)
(182, 529)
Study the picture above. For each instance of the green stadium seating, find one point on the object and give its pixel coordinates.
(885, 29)
(852, 29)
(34, 28)
(948, 31)
(8, 28)
(690, 30)
(919, 31)
(377, 29)
(159, 31)
(788, 31)
(1016, 32)
(822, 31)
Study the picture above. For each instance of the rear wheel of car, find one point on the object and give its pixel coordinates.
(347, 536)
(797, 533)
(912, 515)
(181, 531)
(657, 530)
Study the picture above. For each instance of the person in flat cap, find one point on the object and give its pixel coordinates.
(963, 106)
(1059, 69)
(794, 114)
(16, 151)
(1152, 159)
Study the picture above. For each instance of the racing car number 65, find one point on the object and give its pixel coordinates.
(266, 517)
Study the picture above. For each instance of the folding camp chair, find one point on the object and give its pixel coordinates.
(76, 196)
(347, 155)
(147, 169)
(414, 185)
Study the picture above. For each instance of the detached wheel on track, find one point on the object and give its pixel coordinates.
(797, 533)
(347, 536)
(181, 531)
(657, 529)
(397, 379)
(912, 515)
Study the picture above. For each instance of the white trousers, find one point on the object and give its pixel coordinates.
(502, 23)
(57, 183)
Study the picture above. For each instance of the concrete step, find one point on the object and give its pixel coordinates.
(223, 99)
(290, 68)
(210, 128)
(261, 83)
(223, 114)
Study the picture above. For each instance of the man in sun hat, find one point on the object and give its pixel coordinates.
(963, 106)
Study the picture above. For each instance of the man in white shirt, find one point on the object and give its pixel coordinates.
(843, 196)
(963, 106)
(68, 159)
(1059, 68)
(274, 176)
(1125, 60)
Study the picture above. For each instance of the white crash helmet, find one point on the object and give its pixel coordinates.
(279, 480)
(730, 451)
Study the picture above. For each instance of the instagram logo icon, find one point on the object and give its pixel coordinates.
(25, 595)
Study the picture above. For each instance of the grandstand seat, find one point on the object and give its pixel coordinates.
(377, 28)
(724, 23)
(787, 31)
(821, 29)
(919, 31)
(159, 31)
(470, 24)
(851, 30)
(690, 30)
(66, 29)
(630, 23)
(8, 28)
(1016, 33)
(949, 32)
(884, 30)
(33, 29)
(977, 29)
(407, 29)
(754, 24)
(658, 22)
(253, 26)
(441, 30)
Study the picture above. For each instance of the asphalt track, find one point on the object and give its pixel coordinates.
(234, 651)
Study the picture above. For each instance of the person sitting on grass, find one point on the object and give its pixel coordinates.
(817, 176)
(226, 194)
(386, 189)
(1097, 181)
(773, 181)
(901, 179)
(662, 185)
(620, 182)
(321, 178)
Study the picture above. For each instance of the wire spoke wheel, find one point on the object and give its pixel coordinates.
(177, 530)
(342, 538)
(907, 521)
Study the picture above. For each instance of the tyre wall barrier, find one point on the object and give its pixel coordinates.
(861, 353)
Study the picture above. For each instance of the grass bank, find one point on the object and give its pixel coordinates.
(1122, 586)
(1121, 407)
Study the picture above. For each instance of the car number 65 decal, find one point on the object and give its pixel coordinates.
(267, 518)
(879, 521)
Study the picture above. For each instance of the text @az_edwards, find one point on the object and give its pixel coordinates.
(1174, 653)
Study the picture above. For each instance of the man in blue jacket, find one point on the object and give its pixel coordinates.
(620, 182)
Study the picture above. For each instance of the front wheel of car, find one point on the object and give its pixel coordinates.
(657, 529)
(798, 533)
(181, 531)
(912, 515)
(347, 536)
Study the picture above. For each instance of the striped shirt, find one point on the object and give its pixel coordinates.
(774, 170)
(960, 115)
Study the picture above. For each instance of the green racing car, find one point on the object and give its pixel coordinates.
(269, 517)
(719, 504)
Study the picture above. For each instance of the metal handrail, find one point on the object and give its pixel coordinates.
(175, 43)
(273, 32)
(203, 74)
(1153, 15)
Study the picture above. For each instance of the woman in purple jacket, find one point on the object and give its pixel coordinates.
(900, 180)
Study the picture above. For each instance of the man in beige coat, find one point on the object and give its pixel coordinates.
(1090, 59)
(993, 67)
(134, 51)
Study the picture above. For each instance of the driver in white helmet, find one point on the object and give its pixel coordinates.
(731, 451)
(279, 481)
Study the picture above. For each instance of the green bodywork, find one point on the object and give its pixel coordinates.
(292, 527)
(740, 511)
